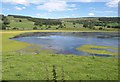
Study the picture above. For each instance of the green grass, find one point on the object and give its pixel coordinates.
(14, 23)
(21, 25)
(11, 45)
(18, 66)
(90, 49)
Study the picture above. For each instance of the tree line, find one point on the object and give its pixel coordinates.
(39, 21)
(109, 22)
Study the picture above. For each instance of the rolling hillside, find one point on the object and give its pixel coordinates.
(17, 22)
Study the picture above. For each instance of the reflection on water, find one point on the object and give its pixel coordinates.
(67, 42)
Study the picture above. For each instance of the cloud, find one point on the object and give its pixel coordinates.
(91, 14)
(112, 3)
(28, 2)
(23, 7)
(56, 6)
(49, 5)
(23, 2)
(19, 8)
(37, 1)
(72, 5)
(41, 14)
(85, 0)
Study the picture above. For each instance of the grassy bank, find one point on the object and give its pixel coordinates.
(24, 31)
(40, 66)
(11, 45)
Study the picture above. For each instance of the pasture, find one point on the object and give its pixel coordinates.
(40, 66)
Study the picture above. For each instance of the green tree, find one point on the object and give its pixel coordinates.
(49, 26)
(91, 26)
(85, 25)
(60, 26)
(74, 23)
(64, 24)
(3, 26)
(34, 28)
(20, 20)
(6, 21)
(36, 23)
(40, 25)
(100, 28)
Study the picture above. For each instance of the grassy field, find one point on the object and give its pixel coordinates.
(39, 66)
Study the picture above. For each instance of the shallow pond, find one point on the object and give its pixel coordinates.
(67, 42)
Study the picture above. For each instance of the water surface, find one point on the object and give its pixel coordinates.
(67, 42)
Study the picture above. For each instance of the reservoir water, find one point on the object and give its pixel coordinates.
(67, 42)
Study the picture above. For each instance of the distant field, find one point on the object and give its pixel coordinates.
(14, 22)
(24, 24)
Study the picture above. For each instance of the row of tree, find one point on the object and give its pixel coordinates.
(49, 27)
(109, 22)
(109, 19)
(40, 22)
(19, 16)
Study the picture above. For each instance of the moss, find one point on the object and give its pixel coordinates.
(101, 49)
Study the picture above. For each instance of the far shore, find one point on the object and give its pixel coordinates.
(24, 31)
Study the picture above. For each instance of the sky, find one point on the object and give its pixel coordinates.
(60, 8)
